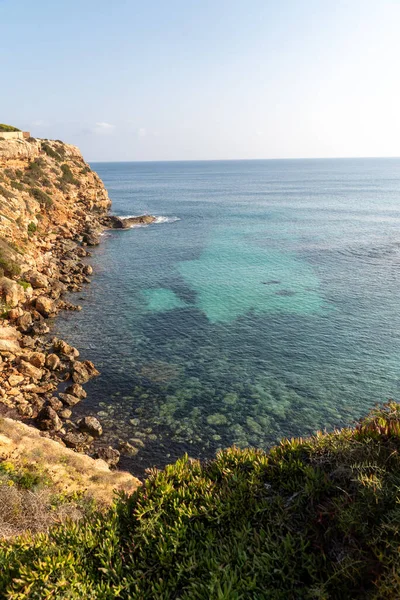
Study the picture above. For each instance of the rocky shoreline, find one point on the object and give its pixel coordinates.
(43, 251)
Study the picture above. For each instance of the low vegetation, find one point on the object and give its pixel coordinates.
(42, 197)
(4, 127)
(317, 518)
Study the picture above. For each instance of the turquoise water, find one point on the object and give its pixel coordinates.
(265, 303)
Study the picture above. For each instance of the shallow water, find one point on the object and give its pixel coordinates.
(265, 304)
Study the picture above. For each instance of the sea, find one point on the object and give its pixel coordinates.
(263, 303)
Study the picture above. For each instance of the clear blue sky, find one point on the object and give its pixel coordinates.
(204, 79)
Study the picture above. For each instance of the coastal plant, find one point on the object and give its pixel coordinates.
(5, 193)
(67, 175)
(42, 197)
(50, 152)
(8, 266)
(313, 518)
(32, 227)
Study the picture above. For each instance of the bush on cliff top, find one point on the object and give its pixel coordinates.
(4, 127)
(317, 518)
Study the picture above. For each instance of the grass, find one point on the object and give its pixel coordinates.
(317, 518)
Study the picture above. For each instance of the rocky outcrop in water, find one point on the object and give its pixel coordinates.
(113, 222)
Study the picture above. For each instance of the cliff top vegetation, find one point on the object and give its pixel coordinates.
(4, 127)
(315, 518)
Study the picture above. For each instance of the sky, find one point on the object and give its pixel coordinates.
(204, 79)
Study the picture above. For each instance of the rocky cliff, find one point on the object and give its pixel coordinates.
(51, 209)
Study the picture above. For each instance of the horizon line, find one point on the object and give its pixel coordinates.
(192, 160)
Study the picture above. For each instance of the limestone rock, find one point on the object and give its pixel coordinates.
(110, 455)
(83, 371)
(69, 400)
(128, 449)
(78, 441)
(52, 362)
(37, 359)
(76, 390)
(14, 380)
(11, 292)
(30, 370)
(48, 419)
(65, 349)
(46, 306)
(38, 281)
(24, 322)
(91, 425)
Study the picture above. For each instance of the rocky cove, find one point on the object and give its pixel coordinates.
(53, 207)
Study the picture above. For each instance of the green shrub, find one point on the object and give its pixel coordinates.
(312, 519)
(4, 127)
(5, 193)
(67, 175)
(24, 284)
(8, 266)
(41, 196)
(17, 186)
(50, 152)
(32, 227)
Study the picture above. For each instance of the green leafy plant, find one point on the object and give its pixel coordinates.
(314, 518)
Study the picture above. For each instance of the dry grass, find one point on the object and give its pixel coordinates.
(23, 511)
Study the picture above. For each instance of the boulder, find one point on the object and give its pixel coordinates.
(14, 380)
(76, 390)
(24, 322)
(29, 370)
(69, 400)
(52, 362)
(15, 313)
(128, 449)
(55, 403)
(90, 425)
(83, 371)
(11, 292)
(9, 341)
(46, 306)
(78, 441)
(38, 281)
(110, 455)
(61, 347)
(37, 359)
(48, 419)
